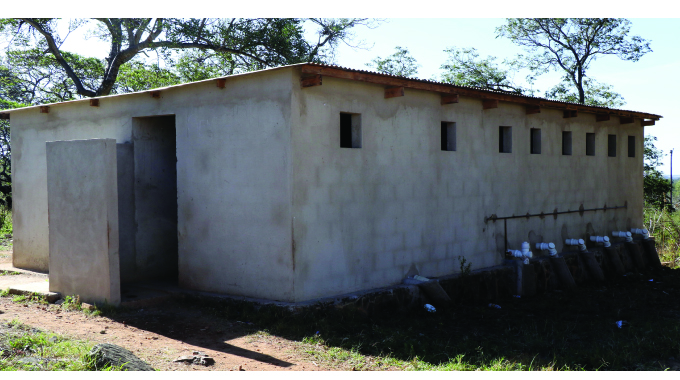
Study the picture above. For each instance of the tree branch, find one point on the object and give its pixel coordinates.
(60, 59)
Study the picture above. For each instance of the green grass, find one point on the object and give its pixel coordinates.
(25, 348)
(554, 332)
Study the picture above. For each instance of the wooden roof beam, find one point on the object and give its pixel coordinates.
(94, 102)
(221, 83)
(4, 116)
(488, 104)
(647, 122)
(310, 80)
(449, 98)
(530, 110)
(156, 94)
(461, 91)
(602, 117)
(626, 119)
(569, 114)
(44, 109)
(394, 92)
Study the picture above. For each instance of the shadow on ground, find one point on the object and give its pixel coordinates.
(557, 330)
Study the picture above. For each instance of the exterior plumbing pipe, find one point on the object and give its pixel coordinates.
(524, 253)
(623, 234)
(580, 242)
(588, 257)
(639, 231)
(550, 247)
(601, 239)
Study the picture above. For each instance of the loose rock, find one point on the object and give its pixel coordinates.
(105, 354)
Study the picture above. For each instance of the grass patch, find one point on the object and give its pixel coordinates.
(554, 332)
(25, 348)
(8, 273)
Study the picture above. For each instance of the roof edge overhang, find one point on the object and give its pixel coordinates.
(387, 80)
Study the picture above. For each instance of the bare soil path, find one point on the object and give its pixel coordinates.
(161, 333)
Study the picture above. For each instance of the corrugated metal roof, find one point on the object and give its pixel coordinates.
(594, 109)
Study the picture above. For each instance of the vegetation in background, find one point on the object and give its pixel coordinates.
(246, 44)
(463, 67)
(570, 46)
(400, 63)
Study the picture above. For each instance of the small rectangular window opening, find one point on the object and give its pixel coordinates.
(611, 145)
(505, 139)
(566, 143)
(535, 141)
(631, 146)
(448, 136)
(590, 144)
(350, 130)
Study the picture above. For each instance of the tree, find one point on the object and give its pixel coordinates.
(463, 67)
(249, 44)
(571, 45)
(655, 187)
(596, 94)
(400, 63)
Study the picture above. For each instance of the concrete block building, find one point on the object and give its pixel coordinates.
(308, 181)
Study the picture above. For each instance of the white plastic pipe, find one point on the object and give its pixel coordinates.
(639, 231)
(623, 234)
(580, 242)
(550, 247)
(601, 239)
(524, 253)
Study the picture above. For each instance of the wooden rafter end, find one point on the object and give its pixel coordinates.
(449, 98)
(489, 104)
(310, 81)
(393, 92)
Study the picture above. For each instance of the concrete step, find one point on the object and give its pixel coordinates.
(41, 288)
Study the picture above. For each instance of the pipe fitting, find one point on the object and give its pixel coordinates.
(601, 240)
(640, 231)
(524, 253)
(580, 242)
(623, 234)
(550, 247)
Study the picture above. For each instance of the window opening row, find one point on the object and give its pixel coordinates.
(350, 137)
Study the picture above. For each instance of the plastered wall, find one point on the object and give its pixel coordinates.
(233, 168)
(367, 217)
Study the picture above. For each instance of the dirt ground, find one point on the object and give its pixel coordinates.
(159, 334)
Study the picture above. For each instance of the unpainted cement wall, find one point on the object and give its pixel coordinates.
(83, 219)
(365, 218)
(233, 187)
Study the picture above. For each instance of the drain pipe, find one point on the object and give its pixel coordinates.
(633, 249)
(580, 242)
(601, 240)
(524, 253)
(623, 234)
(649, 246)
(559, 266)
(588, 258)
(550, 247)
(640, 231)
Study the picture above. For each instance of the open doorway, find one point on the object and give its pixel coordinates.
(155, 198)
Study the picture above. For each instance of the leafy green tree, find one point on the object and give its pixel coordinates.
(136, 76)
(596, 94)
(656, 188)
(464, 67)
(249, 44)
(571, 45)
(400, 63)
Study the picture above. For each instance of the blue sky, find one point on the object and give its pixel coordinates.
(649, 85)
